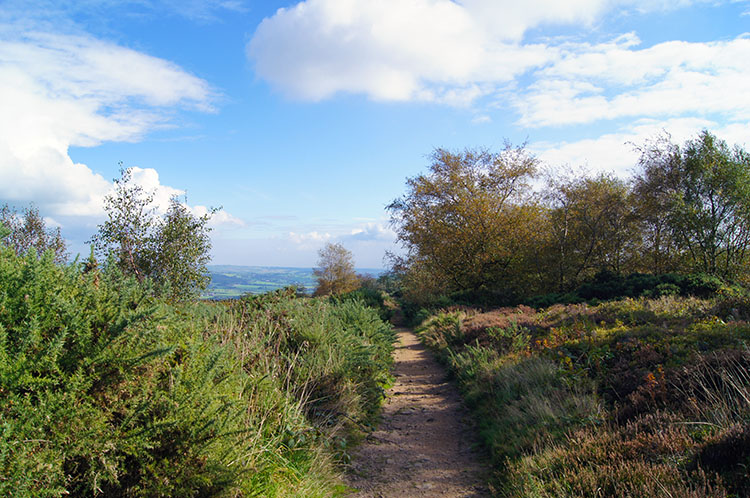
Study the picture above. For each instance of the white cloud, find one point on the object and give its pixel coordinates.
(308, 240)
(51, 222)
(367, 241)
(371, 232)
(58, 91)
(219, 219)
(617, 152)
(453, 52)
(481, 119)
(361, 233)
(509, 20)
(613, 80)
(433, 50)
(148, 179)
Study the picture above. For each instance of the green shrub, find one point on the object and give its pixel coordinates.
(108, 391)
(666, 290)
(369, 297)
(702, 285)
(607, 285)
(546, 300)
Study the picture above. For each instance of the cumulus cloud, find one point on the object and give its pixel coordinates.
(366, 240)
(371, 232)
(300, 248)
(58, 91)
(617, 152)
(219, 219)
(614, 80)
(453, 52)
(461, 52)
(148, 179)
(308, 240)
(433, 50)
(362, 232)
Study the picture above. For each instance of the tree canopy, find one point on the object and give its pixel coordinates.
(29, 231)
(463, 221)
(474, 228)
(335, 272)
(170, 250)
(589, 226)
(703, 192)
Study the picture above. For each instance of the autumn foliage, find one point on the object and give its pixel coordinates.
(335, 272)
(488, 228)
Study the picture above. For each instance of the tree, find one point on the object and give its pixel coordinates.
(653, 194)
(335, 272)
(467, 220)
(127, 234)
(171, 250)
(181, 251)
(591, 227)
(703, 189)
(27, 231)
(416, 281)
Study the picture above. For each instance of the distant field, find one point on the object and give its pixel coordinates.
(230, 281)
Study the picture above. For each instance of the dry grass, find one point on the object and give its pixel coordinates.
(631, 398)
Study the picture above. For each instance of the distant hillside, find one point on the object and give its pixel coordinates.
(230, 281)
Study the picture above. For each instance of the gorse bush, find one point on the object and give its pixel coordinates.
(338, 355)
(630, 398)
(106, 390)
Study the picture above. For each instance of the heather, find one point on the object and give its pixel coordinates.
(628, 398)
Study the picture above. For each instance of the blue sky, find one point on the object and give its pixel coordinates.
(303, 119)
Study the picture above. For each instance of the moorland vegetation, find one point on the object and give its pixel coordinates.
(116, 381)
(628, 398)
(598, 329)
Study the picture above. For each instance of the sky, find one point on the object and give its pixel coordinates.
(303, 120)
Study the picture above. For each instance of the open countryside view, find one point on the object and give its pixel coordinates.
(406, 248)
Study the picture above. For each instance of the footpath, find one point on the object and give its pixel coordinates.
(425, 445)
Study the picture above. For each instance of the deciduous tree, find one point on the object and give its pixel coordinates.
(335, 272)
(171, 250)
(653, 194)
(466, 220)
(28, 230)
(591, 227)
(181, 251)
(703, 189)
(127, 234)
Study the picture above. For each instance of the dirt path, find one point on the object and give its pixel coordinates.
(424, 446)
